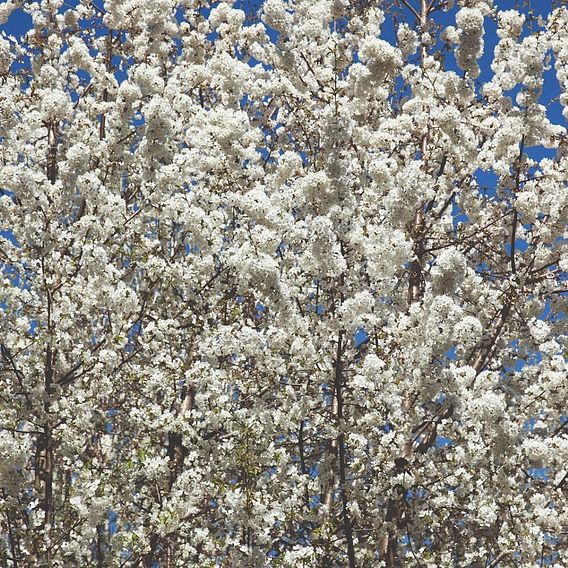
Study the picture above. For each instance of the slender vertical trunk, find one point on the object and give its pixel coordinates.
(100, 545)
(303, 467)
(48, 436)
(176, 450)
(108, 67)
(51, 168)
(337, 447)
(44, 466)
(327, 499)
(347, 522)
(12, 538)
(149, 558)
(415, 288)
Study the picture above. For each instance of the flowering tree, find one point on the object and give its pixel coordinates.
(284, 290)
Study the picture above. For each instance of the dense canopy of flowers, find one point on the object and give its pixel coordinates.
(283, 290)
